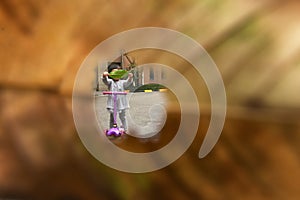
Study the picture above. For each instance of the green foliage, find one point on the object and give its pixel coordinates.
(152, 86)
(117, 74)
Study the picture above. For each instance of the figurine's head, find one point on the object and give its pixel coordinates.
(113, 67)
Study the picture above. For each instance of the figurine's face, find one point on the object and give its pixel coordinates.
(116, 79)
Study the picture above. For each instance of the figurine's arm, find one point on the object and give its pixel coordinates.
(105, 79)
(129, 80)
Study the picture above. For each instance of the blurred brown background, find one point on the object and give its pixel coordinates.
(256, 46)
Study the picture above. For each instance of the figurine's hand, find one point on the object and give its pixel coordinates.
(130, 75)
(105, 74)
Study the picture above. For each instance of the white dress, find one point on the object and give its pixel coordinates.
(117, 86)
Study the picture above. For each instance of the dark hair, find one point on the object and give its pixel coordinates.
(113, 65)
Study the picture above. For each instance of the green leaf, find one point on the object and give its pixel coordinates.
(118, 73)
